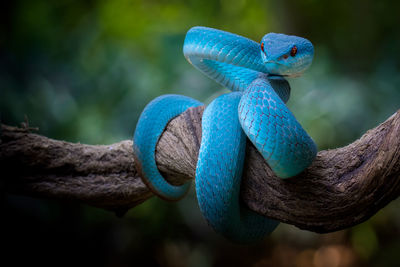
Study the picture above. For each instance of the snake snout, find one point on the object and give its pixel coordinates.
(286, 55)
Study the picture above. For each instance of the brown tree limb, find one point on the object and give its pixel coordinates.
(343, 186)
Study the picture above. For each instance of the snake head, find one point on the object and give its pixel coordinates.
(286, 55)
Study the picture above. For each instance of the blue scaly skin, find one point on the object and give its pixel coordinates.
(219, 174)
(274, 131)
(255, 73)
(149, 128)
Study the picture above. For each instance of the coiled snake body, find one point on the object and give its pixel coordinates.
(256, 109)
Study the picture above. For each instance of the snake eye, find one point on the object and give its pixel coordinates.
(293, 52)
(262, 47)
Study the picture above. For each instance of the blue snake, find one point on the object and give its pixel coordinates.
(255, 109)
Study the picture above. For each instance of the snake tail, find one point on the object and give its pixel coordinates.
(219, 173)
(149, 128)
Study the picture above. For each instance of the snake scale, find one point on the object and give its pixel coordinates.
(255, 109)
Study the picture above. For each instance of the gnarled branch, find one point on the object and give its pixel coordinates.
(343, 186)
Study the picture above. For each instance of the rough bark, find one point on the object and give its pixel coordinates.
(343, 186)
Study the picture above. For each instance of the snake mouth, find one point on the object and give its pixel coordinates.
(281, 69)
(276, 68)
(271, 63)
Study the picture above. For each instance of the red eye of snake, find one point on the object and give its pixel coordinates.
(293, 52)
(262, 47)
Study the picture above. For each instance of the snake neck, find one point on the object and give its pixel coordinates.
(229, 59)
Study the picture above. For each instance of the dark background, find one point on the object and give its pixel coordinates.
(82, 71)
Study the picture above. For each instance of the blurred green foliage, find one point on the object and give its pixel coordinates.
(84, 70)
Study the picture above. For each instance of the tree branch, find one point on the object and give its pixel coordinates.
(343, 186)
